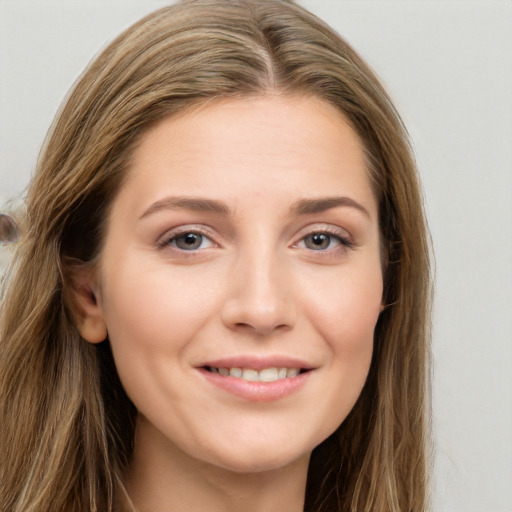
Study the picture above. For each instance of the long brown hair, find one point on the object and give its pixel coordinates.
(67, 425)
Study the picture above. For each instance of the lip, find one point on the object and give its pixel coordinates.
(257, 391)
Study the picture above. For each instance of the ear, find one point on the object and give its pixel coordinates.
(86, 302)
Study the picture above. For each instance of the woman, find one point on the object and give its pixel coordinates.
(221, 297)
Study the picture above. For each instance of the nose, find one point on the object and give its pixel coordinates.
(260, 298)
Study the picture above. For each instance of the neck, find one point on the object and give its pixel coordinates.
(170, 481)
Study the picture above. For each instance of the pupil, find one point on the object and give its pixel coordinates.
(320, 240)
(189, 241)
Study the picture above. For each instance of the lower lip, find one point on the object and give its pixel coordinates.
(257, 391)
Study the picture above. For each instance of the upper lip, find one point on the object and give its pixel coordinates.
(259, 362)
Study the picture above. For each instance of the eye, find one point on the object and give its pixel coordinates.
(321, 241)
(187, 241)
(325, 240)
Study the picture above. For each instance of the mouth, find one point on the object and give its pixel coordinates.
(270, 374)
(257, 378)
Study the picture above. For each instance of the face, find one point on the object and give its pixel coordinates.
(240, 281)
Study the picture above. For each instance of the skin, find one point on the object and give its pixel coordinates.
(256, 285)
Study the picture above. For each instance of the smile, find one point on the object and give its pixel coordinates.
(251, 375)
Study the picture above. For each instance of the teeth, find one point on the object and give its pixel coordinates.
(250, 375)
(235, 372)
(266, 375)
(292, 372)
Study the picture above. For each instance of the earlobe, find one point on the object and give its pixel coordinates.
(86, 304)
(92, 325)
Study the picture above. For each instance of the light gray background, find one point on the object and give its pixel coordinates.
(448, 66)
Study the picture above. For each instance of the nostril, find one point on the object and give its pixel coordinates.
(259, 326)
(259, 308)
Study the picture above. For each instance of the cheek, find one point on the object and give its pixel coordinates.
(345, 315)
(150, 306)
(347, 307)
(152, 316)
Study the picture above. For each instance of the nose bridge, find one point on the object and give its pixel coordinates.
(261, 297)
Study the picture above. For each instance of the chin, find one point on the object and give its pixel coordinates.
(259, 457)
(259, 464)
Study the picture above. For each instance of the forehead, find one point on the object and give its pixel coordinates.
(266, 146)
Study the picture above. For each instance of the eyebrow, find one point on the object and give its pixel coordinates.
(301, 207)
(196, 204)
(308, 206)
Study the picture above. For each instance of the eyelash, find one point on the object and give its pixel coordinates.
(169, 239)
(333, 233)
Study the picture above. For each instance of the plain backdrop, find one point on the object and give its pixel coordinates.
(448, 65)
